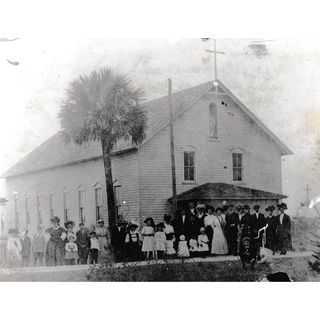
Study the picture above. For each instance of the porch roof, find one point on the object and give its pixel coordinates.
(225, 191)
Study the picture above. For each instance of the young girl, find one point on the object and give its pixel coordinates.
(193, 247)
(94, 248)
(203, 242)
(132, 243)
(170, 238)
(71, 249)
(183, 251)
(160, 241)
(147, 233)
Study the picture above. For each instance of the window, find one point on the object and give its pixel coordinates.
(51, 205)
(81, 195)
(26, 205)
(237, 166)
(213, 121)
(66, 207)
(16, 213)
(189, 169)
(98, 202)
(39, 211)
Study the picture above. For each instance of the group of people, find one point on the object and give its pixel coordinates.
(199, 230)
(58, 245)
(202, 230)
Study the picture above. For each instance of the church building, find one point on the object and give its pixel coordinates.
(223, 154)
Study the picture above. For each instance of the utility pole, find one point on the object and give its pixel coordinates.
(173, 163)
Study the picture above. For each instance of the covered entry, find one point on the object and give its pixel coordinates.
(219, 194)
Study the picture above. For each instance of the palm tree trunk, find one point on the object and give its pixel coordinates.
(106, 151)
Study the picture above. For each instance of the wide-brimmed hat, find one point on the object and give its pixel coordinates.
(256, 206)
(201, 206)
(149, 219)
(246, 206)
(68, 223)
(100, 221)
(282, 206)
(55, 219)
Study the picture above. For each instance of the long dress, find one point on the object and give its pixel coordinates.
(14, 248)
(219, 242)
(148, 244)
(55, 246)
(169, 232)
(105, 254)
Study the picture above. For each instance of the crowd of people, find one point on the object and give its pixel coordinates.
(204, 230)
(196, 230)
(58, 245)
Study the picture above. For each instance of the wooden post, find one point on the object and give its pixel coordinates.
(173, 164)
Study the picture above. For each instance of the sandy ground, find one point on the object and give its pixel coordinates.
(295, 264)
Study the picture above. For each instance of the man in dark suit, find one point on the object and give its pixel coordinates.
(182, 224)
(231, 228)
(283, 229)
(257, 221)
(118, 234)
(271, 230)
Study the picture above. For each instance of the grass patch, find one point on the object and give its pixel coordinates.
(200, 271)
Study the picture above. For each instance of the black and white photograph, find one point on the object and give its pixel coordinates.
(173, 159)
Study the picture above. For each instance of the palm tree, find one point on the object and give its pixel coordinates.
(103, 106)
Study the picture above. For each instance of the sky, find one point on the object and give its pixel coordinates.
(280, 86)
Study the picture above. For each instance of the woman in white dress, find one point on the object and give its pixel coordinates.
(219, 243)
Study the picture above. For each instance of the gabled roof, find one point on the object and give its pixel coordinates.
(55, 152)
(225, 191)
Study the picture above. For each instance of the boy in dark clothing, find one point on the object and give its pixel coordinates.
(83, 242)
(132, 243)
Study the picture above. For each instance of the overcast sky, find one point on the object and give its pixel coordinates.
(281, 86)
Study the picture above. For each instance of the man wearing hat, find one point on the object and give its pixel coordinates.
(283, 229)
(271, 230)
(257, 222)
(231, 228)
(83, 243)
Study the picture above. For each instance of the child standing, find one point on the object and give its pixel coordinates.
(160, 241)
(203, 242)
(94, 248)
(147, 233)
(71, 249)
(170, 238)
(183, 251)
(193, 247)
(132, 245)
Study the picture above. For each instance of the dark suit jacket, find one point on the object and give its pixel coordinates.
(286, 222)
(232, 222)
(118, 235)
(257, 222)
(183, 227)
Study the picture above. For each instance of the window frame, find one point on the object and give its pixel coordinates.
(188, 166)
(27, 211)
(66, 210)
(81, 205)
(237, 167)
(98, 207)
(51, 209)
(213, 135)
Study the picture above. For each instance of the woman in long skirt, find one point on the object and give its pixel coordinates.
(219, 243)
(56, 243)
